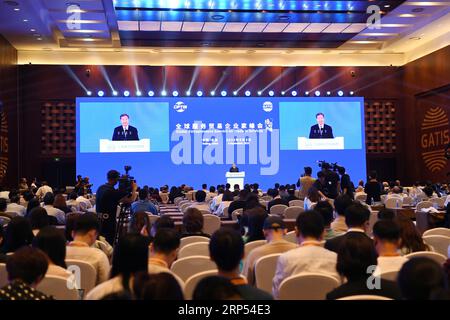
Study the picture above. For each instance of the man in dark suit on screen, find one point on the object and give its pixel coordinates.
(125, 131)
(321, 130)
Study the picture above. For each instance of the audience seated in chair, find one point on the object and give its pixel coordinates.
(226, 249)
(276, 199)
(18, 234)
(163, 222)
(200, 204)
(227, 198)
(159, 286)
(355, 262)
(410, 239)
(72, 202)
(274, 230)
(84, 235)
(239, 203)
(15, 206)
(216, 288)
(326, 210)
(26, 268)
(387, 241)
(143, 204)
(356, 219)
(193, 223)
(60, 203)
(140, 223)
(310, 256)
(60, 216)
(39, 219)
(341, 203)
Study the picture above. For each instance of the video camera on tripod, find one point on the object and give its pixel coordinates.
(328, 166)
(125, 181)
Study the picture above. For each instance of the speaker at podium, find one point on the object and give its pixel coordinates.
(235, 178)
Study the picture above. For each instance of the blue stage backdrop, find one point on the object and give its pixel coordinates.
(195, 140)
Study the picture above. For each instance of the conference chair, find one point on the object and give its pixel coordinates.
(264, 203)
(439, 258)
(204, 211)
(211, 223)
(188, 266)
(372, 220)
(307, 286)
(177, 200)
(296, 203)
(184, 206)
(278, 209)
(291, 237)
(361, 197)
(440, 244)
(421, 221)
(437, 232)
(192, 239)
(236, 213)
(225, 212)
(393, 203)
(390, 275)
(194, 249)
(292, 212)
(87, 274)
(264, 269)
(365, 297)
(408, 201)
(3, 275)
(423, 205)
(57, 287)
(252, 245)
(192, 282)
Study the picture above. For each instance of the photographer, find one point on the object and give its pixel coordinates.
(107, 200)
(331, 181)
(347, 186)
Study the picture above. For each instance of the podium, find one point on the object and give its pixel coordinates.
(320, 144)
(142, 145)
(235, 178)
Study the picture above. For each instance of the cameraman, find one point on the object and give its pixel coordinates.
(347, 186)
(331, 181)
(107, 200)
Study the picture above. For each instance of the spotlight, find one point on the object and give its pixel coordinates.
(328, 93)
(283, 93)
(100, 93)
(317, 93)
(352, 93)
(306, 93)
(151, 93)
(340, 93)
(259, 93)
(247, 93)
(89, 93)
(138, 93)
(271, 93)
(223, 93)
(175, 93)
(164, 93)
(188, 93)
(235, 93)
(126, 93)
(115, 93)
(294, 93)
(213, 93)
(199, 93)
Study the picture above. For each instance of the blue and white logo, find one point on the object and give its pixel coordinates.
(267, 106)
(180, 106)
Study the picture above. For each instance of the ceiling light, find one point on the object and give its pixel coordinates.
(32, 30)
(16, 9)
(25, 20)
(217, 17)
(417, 10)
(415, 38)
(39, 39)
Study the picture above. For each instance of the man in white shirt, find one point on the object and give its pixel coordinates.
(85, 204)
(43, 190)
(163, 252)
(216, 200)
(200, 203)
(72, 202)
(84, 235)
(387, 241)
(60, 216)
(14, 206)
(310, 256)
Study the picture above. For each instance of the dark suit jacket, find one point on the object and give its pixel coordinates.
(388, 289)
(234, 169)
(327, 132)
(334, 243)
(119, 134)
(277, 201)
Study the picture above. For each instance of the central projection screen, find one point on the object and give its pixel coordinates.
(195, 140)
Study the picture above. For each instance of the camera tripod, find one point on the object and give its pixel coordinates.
(123, 218)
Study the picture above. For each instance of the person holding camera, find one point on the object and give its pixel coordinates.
(331, 181)
(107, 200)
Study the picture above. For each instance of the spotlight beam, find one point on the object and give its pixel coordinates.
(303, 80)
(252, 76)
(105, 75)
(194, 78)
(135, 78)
(222, 78)
(75, 78)
(338, 75)
(279, 77)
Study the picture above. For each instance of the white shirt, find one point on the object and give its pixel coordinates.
(111, 286)
(94, 256)
(73, 204)
(42, 191)
(200, 206)
(222, 205)
(307, 204)
(216, 201)
(85, 204)
(306, 258)
(388, 264)
(14, 207)
(55, 212)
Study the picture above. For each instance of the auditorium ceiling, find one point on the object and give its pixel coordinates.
(222, 31)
